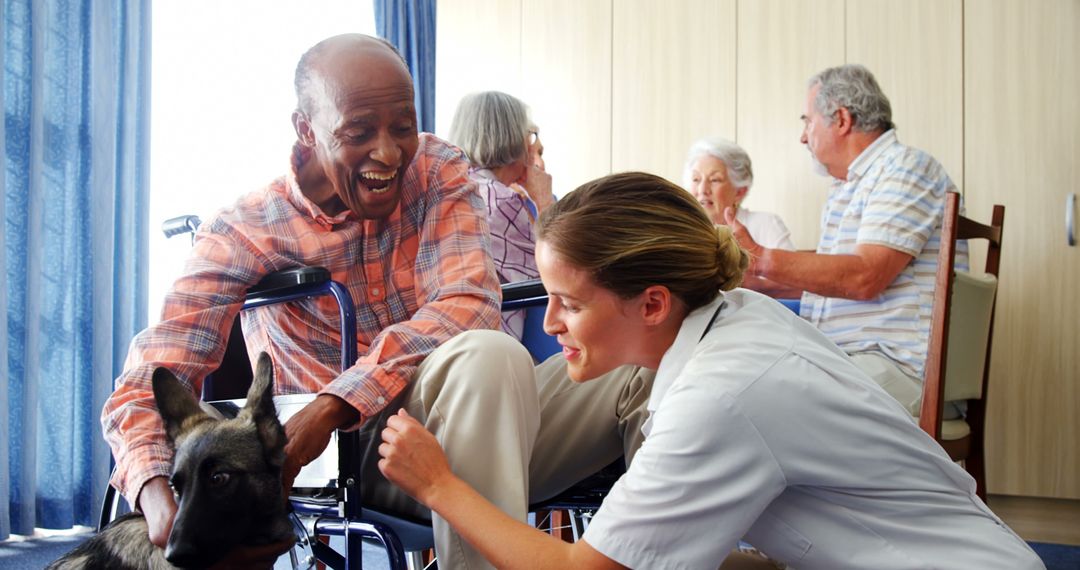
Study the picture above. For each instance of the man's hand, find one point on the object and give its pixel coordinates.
(745, 240)
(308, 432)
(260, 557)
(157, 504)
(411, 457)
(537, 184)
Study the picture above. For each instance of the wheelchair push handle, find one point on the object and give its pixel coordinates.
(180, 225)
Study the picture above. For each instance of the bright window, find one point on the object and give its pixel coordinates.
(222, 99)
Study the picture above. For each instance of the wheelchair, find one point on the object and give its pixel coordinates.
(337, 511)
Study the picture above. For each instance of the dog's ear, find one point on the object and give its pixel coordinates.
(260, 408)
(176, 403)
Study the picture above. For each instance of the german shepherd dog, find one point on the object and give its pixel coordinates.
(227, 479)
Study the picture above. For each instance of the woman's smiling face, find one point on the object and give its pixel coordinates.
(597, 329)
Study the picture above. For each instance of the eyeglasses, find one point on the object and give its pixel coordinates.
(532, 137)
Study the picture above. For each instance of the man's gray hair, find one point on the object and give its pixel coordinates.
(853, 87)
(739, 169)
(491, 127)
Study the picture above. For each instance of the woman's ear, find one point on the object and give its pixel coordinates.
(657, 304)
(740, 195)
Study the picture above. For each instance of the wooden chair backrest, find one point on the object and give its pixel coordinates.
(956, 227)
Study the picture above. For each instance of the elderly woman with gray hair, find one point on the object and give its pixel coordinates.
(503, 146)
(719, 174)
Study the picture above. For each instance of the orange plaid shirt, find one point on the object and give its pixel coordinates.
(418, 278)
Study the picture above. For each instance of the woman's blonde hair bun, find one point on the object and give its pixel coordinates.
(731, 260)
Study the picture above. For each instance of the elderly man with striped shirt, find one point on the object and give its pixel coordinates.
(393, 216)
(870, 285)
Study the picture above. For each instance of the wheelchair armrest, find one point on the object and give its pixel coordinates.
(233, 376)
(523, 290)
(286, 278)
(521, 294)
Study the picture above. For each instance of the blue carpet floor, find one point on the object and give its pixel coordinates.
(1058, 556)
(37, 553)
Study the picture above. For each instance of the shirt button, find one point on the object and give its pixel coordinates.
(380, 400)
(375, 292)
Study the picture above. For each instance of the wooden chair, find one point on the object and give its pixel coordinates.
(961, 330)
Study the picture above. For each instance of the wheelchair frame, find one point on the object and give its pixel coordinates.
(344, 515)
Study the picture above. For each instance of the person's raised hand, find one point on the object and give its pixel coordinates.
(412, 458)
(537, 184)
(742, 235)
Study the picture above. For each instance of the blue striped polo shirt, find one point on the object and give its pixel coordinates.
(895, 197)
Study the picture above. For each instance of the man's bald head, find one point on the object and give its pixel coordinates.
(321, 58)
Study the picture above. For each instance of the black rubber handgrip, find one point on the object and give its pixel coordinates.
(290, 278)
(523, 290)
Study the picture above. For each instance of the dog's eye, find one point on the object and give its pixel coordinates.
(220, 478)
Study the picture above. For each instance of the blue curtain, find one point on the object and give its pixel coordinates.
(73, 256)
(410, 26)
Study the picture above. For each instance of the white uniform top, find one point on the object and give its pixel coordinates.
(764, 429)
(767, 229)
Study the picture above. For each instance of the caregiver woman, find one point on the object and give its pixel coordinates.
(760, 428)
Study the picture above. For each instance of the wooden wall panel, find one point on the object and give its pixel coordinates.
(1022, 147)
(781, 45)
(989, 88)
(478, 47)
(566, 80)
(673, 81)
(915, 50)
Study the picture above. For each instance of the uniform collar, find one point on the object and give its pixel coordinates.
(693, 328)
(861, 164)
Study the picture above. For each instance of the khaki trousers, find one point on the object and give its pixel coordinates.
(903, 388)
(585, 426)
(477, 394)
(515, 434)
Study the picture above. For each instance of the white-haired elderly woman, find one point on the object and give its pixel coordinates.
(719, 174)
(501, 143)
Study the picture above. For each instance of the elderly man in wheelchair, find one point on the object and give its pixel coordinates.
(392, 218)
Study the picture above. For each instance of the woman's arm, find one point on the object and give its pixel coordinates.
(413, 460)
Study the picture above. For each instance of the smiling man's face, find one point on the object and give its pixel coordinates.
(363, 125)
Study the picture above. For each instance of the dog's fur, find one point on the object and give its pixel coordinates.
(227, 476)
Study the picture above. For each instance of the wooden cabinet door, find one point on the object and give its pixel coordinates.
(915, 50)
(781, 45)
(673, 81)
(566, 80)
(1022, 149)
(478, 48)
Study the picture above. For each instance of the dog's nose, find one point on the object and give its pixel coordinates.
(184, 555)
